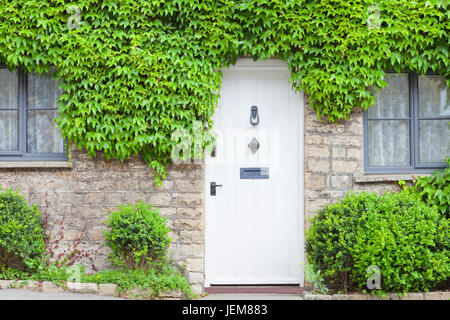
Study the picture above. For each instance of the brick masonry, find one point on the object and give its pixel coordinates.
(92, 188)
(334, 162)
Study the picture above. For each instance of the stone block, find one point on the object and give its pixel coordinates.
(314, 205)
(321, 166)
(160, 199)
(190, 212)
(344, 166)
(196, 277)
(189, 185)
(195, 265)
(434, 296)
(108, 289)
(191, 236)
(197, 289)
(94, 198)
(332, 194)
(342, 140)
(315, 181)
(197, 171)
(188, 199)
(413, 296)
(48, 286)
(340, 297)
(168, 212)
(79, 287)
(354, 153)
(314, 151)
(4, 284)
(70, 235)
(311, 296)
(191, 250)
(173, 294)
(29, 285)
(96, 233)
(113, 199)
(313, 139)
(134, 197)
(191, 224)
(338, 152)
(359, 296)
(342, 181)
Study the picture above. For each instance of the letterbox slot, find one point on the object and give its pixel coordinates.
(254, 173)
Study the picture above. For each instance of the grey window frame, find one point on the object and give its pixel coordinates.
(22, 154)
(415, 166)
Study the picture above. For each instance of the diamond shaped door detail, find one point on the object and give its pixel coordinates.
(254, 145)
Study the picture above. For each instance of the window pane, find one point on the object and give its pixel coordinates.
(43, 136)
(8, 130)
(434, 141)
(43, 92)
(9, 83)
(392, 101)
(388, 143)
(434, 96)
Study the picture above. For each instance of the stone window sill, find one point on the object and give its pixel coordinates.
(34, 164)
(363, 178)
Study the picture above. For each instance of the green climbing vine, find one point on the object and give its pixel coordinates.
(133, 72)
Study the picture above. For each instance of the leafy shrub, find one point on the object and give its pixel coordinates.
(138, 236)
(21, 231)
(433, 190)
(12, 274)
(406, 239)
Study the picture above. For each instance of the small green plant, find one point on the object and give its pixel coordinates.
(55, 272)
(434, 190)
(315, 278)
(406, 239)
(138, 236)
(22, 231)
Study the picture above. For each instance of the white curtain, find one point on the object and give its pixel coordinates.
(9, 115)
(389, 143)
(434, 101)
(43, 136)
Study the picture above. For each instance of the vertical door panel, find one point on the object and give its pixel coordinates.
(254, 226)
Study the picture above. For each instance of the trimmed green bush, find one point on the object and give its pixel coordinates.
(22, 231)
(137, 236)
(406, 239)
(433, 190)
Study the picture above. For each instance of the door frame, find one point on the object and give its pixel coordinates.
(247, 64)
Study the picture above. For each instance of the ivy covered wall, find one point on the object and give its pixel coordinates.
(136, 72)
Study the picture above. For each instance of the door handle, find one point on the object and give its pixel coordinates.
(213, 187)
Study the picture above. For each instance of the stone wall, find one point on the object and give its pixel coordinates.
(91, 189)
(334, 162)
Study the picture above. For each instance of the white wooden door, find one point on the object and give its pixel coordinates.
(254, 227)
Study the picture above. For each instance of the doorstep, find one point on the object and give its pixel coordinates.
(254, 290)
